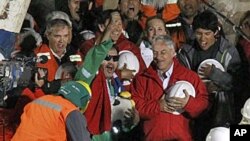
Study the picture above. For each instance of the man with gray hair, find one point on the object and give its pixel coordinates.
(150, 88)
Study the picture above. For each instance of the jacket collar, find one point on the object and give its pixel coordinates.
(152, 72)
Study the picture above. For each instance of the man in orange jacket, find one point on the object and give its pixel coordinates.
(59, 117)
(166, 9)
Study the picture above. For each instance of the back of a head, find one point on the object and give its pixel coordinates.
(218, 134)
(70, 68)
(77, 92)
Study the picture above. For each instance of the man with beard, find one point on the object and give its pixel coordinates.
(105, 87)
(181, 28)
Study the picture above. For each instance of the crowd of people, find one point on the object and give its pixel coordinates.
(71, 96)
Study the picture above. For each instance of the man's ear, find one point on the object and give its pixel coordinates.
(173, 52)
(217, 31)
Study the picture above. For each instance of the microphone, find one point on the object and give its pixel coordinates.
(42, 59)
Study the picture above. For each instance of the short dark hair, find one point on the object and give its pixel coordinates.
(206, 20)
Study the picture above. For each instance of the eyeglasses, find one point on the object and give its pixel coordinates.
(109, 57)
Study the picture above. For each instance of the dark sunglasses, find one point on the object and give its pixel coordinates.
(109, 57)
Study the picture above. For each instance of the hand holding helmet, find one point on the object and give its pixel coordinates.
(126, 74)
(177, 96)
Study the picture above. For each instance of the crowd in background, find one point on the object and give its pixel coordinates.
(168, 44)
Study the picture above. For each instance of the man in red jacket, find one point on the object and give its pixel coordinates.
(106, 87)
(155, 112)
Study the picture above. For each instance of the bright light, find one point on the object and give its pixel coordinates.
(115, 129)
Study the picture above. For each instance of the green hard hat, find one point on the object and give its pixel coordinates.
(77, 92)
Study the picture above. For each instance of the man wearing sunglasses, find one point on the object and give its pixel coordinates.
(105, 88)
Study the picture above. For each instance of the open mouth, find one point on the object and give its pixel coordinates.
(131, 9)
(60, 46)
(110, 68)
(203, 44)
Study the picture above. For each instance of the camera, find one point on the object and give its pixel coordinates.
(17, 72)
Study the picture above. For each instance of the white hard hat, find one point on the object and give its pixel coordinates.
(245, 111)
(130, 59)
(87, 34)
(210, 62)
(127, 57)
(119, 106)
(58, 15)
(177, 91)
(218, 134)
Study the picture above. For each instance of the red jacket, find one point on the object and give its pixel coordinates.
(53, 64)
(122, 44)
(98, 113)
(147, 89)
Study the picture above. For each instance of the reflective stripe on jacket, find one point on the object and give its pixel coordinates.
(51, 65)
(49, 126)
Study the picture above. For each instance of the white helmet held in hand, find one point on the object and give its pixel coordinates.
(128, 58)
(218, 134)
(177, 91)
(210, 62)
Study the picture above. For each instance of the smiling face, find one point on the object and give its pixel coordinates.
(130, 8)
(163, 55)
(205, 38)
(155, 27)
(117, 21)
(109, 65)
